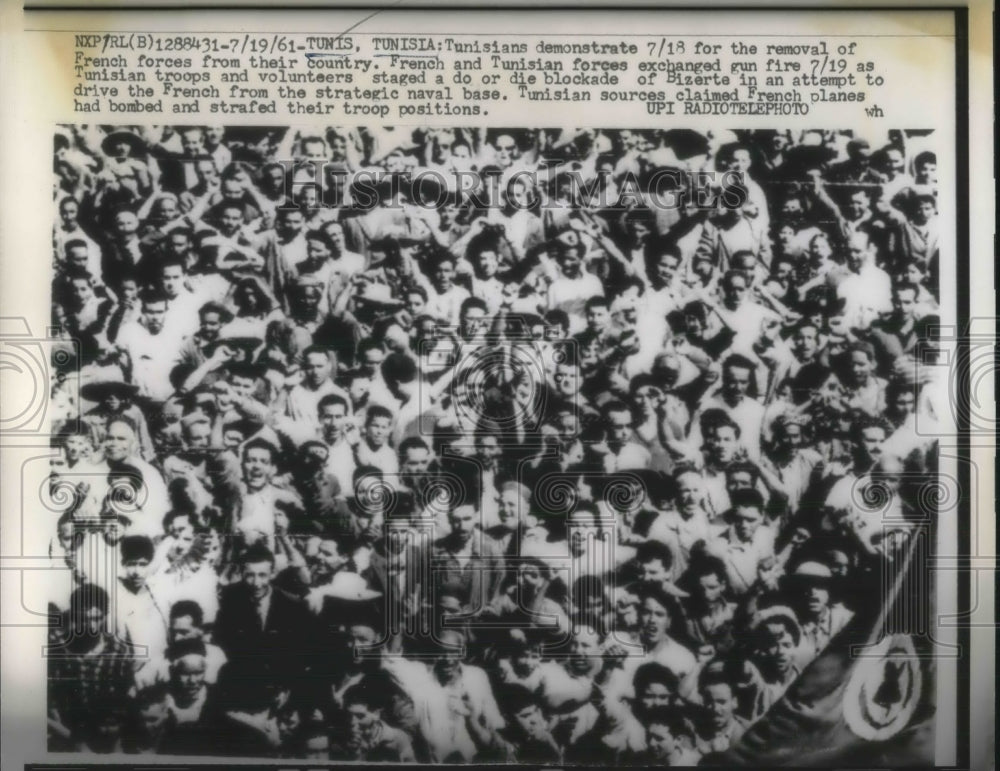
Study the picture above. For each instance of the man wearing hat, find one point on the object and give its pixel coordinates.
(821, 619)
(776, 656)
(122, 166)
(197, 348)
(115, 398)
(122, 250)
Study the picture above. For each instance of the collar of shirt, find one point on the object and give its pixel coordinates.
(263, 605)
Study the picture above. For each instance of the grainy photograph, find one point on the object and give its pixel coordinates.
(509, 445)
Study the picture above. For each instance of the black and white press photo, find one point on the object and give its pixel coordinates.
(403, 444)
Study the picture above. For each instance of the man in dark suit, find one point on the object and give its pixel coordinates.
(265, 633)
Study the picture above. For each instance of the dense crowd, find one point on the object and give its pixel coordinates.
(455, 445)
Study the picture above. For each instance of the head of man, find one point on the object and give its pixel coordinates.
(722, 436)
(77, 258)
(88, 613)
(125, 225)
(364, 632)
(443, 273)
(415, 457)
(861, 363)
(809, 585)
(735, 289)
(378, 426)
(667, 733)
(154, 311)
(859, 250)
(893, 162)
(868, 436)
(463, 520)
(187, 670)
(569, 258)
(779, 638)
(657, 612)
(290, 223)
(819, 249)
(319, 249)
(153, 712)
(119, 440)
(69, 211)
(318, 365)
(654, 561)
(212, 316)
(327, 561)
(448, 662)
(584, 651)
(136, 554)
(333, 410)
(904, 302)
(514, 504)
(532, 578)
(526, 709)
(655, 687)
(364, 710)
(80, 289)
(259, 457)
(805, 341)
(925, 168)
(737, 371)
(746, 513)
(488, 450)
(172, 276)
(506, 150)
(709, 581)
(257, 570)
(788, 436)
(617, 424)
(741, 476)
(186, 622)
(193, 141)
(716, 686)
(690, 491)
(400, 373)
(206, 172)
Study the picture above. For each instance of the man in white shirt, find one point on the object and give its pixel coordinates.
(571, 289)
(256, 518)
(338, 431)
(746, 545)
(867, 290)
(741, 314)
(446, 303)
(152, 350)
(732, 398)
(319, 367)
(141, 613)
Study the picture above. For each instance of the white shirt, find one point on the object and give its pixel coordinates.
(571, 295)
(152, 358)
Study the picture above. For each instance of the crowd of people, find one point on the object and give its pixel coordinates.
(455, 445)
